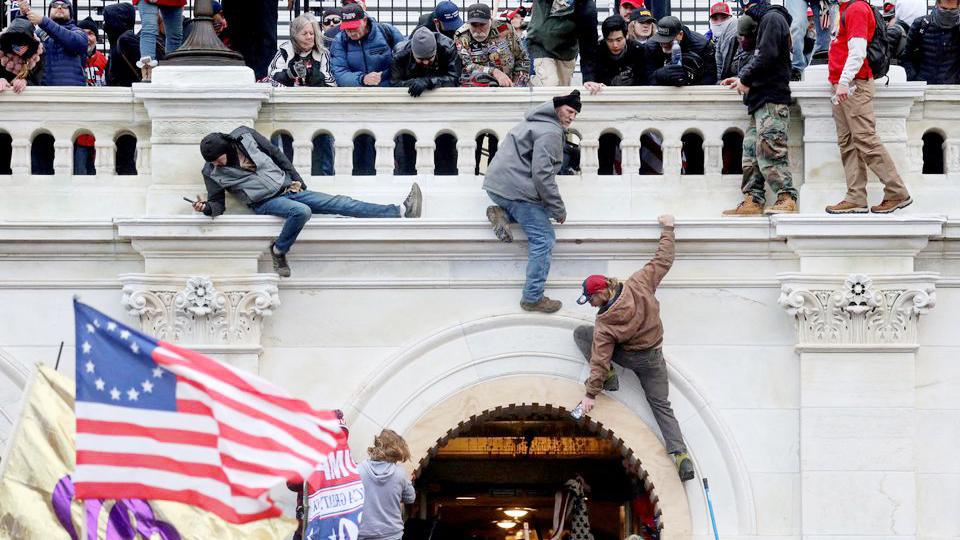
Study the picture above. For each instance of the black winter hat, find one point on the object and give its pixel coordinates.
(89, 24)
(19, 32)
(572, 99)
(215, 145)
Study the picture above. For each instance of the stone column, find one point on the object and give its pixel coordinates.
(466, 157)
(857, 302)
(20, 157)
(589, 156)
(184, 104)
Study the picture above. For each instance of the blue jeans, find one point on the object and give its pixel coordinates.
(798, 29)
(149, 28)
(298, 208)
(83, 160)
(535, 222)
(322, 157)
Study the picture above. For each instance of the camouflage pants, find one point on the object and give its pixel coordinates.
(765, 154)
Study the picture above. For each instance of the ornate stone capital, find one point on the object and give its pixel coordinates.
(201, 313)
(859, 313)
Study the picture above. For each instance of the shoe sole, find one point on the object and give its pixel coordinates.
(772, 212)
(687, 477)
(741, 215)
(863, 210)
(501, 228)
(539, 310)
(415, 199)
(904, 204)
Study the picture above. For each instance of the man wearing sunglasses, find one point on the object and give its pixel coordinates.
(64, 47)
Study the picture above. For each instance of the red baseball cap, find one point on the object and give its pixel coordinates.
(720, 8)
(809, 12)
(591, 286)
(634, 3)
(352, 16)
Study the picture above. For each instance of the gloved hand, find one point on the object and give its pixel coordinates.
(417, 87)
(673, 75)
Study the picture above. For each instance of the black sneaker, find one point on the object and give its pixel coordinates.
(413, 204)
(612, 382)
(280, 265)
(684, 466)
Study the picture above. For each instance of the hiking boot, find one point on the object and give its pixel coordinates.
(785, 204)
(684, 466)
(612, 382)
(890, 205)
(544, 305)
(501, 224)
(280, 265)
(796, 74)
(846, 207)
(747, 207)
(413, 204)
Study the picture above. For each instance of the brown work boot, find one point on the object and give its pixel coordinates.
(846, 207)
(748, 207)
(890, 205)
(785, 204)
(544, 305)
(501, 224)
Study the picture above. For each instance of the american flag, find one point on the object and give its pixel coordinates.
(155, 421)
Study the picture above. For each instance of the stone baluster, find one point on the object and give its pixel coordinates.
(106, 159)
(343, 158)
(144, 149)
(63, 156)
(425, 150)
(672, 157)
(384, 161)
(712, 157)
(466, 156)
(20, 156)
(589, 157)
(303, 155)
(630, 155)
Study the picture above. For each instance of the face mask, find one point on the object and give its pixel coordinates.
(718, 28)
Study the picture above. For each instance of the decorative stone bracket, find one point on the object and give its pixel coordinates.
(858, 314)
(196, 312)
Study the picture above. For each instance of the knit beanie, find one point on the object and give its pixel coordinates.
(572, 99)
(89, 24)
(423, 44)
(746, 26)
(215, 145)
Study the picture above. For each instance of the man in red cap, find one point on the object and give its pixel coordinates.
(627, 7)
(629, 332)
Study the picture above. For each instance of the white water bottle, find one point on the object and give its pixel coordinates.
(577, 412)
(676, 55)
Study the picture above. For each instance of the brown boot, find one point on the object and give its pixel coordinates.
(747, 207)
(890, 205)
(846, 207)
(785, 204)
(501, 224)
(544, 305)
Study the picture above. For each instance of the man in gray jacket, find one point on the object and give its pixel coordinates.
(521, 180)
(244, 163)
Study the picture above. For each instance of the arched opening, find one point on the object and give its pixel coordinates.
(732, 153)
(405, 154)
(608, 154)
(487, 142)
(651, 152)
(41, 154)
(283, 141)
(445, 155)
(321, 158)
(933, 152)
(364, 155)
(84, 154)
(692, 152)
(497, 474)
(126, 157)
(6, 153)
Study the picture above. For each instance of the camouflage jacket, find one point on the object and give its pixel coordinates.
(501, 50)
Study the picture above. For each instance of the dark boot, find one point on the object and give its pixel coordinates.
(544, 305)
(684, 466)
(501, 223)
(612, 382)
(280, 265)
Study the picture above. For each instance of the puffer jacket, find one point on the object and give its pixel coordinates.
(699, 61)
(444, 71)
(633, 320)
(932, 53)
(351, 60)
(528, 160)
(65, 48)
(561, 29)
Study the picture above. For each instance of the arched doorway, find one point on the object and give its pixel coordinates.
(496, 476)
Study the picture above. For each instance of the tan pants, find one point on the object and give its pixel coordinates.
(552, 72)
(860, 147)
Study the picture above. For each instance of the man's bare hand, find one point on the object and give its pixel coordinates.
(502, 78)
(736, 84)
(18, 85)
(842, 93)
(588, 403)
(372, 79)
(199, 204)
(34, 18)
(594, 88)
(666, 220)
(3, 85)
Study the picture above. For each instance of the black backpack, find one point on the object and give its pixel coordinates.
(878, 52)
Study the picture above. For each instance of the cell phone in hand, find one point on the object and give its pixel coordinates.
(189, 201)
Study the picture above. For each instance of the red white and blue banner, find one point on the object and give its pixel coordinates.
(335, 503)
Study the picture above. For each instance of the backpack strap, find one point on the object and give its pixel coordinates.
(387, 35)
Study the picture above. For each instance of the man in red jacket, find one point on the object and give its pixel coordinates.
(629, 331)
(853, 89)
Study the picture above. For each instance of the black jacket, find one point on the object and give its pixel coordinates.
(699, 62)
(445, 70)
(20, 31)
(932, 53)
(630, 69)
(216, 201)
(768, 71)
(897, 40)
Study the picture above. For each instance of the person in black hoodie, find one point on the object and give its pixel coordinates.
(764, 83)
(619, 61)
(118, 20)
(699, 62)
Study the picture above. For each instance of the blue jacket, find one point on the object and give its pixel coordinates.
(64, 50)
(351, 60)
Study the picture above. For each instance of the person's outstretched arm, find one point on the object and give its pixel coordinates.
(654, 271)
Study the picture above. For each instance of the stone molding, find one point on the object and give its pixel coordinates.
(196, 311)
(861, 314)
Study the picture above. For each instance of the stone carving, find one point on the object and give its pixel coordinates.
(185, 131)
(857, 313)
(200, 313)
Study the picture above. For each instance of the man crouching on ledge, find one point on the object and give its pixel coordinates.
(629, 331)
(244, 163)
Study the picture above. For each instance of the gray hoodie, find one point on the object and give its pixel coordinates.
(385, 486)
(528, 160)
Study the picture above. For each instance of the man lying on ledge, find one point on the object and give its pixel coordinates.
(244, 163)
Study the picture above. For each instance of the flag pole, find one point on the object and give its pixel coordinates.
(56, 366)
(306, 510)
